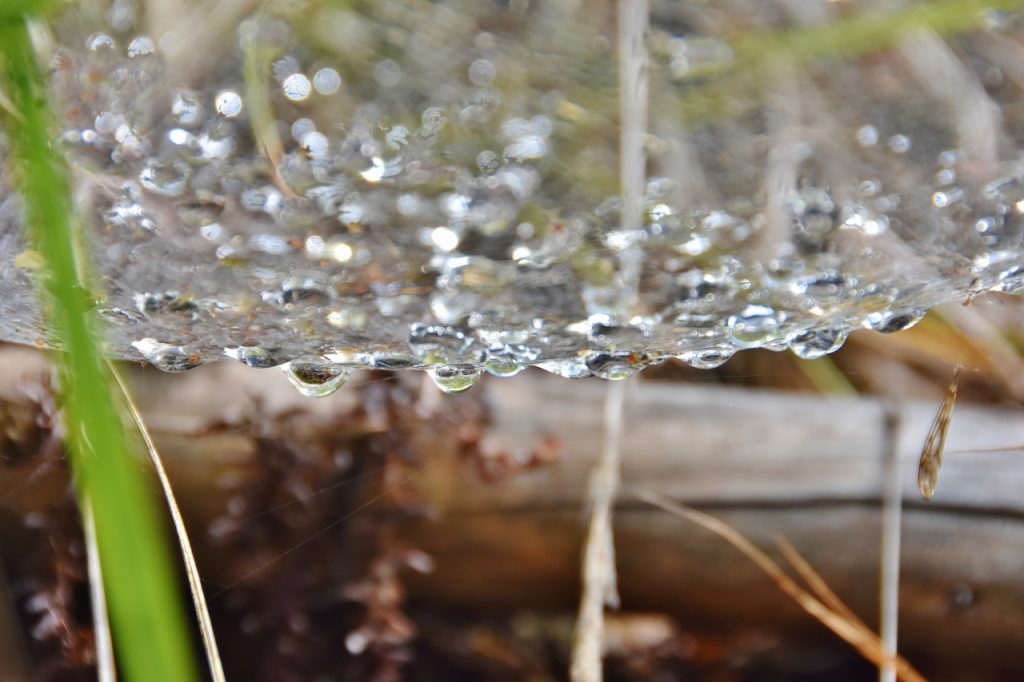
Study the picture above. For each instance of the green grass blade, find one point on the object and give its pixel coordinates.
(188, 556)
(145, 603)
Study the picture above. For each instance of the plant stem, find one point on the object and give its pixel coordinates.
(145, 604)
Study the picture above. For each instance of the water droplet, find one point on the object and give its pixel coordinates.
(612, 366)
(899, 144)
(441, 344)
(165, 179)
(822, 286)
(165, 356)
(165, 302)
(315, 144)
(946, 198)
(216, 146)
(812, 344)
(228, 104)
(695, 245)
(526, 148)
(709, 358)
(348, 318)
(296, 87)
(387, 73)
(863, 220)
(867, 136)
(129, 213)
(254, 356)
(179, 136)
(753, 326)
(107, 122)
(433, 119)
(601, 330)
(100, 41)
(887, 323)
(298, 288)
(487, 161)
(392, 361)
(455, 378)
(327, 81)
(482, 72)
(1011, 281)
(397, 137)
(508, 361)
(140, 46)
(316, 378)
(574, 368)
(186, 109)
(444, 239)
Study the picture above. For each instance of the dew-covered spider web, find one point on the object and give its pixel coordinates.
(435, 185)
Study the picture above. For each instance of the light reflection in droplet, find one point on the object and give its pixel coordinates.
(141, 46)
(228, 104)
(315, 144)
(341, 252)
(296, 87)
(327, 81)
(444, 238)
(867, 136)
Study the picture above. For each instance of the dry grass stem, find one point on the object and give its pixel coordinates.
(106, 668)
(853, 631)
(599, 581)
(892, 542)
(814, 580)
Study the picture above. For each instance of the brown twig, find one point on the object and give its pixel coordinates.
(852, 631)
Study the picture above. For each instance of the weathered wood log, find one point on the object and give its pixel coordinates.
(770, 463)
(731, 446)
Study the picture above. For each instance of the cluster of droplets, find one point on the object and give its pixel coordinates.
(449, 206)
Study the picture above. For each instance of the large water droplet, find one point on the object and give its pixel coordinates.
(316, 378)
(167, 357)
(709, 358)
(455, 378)
(753, 326)
(812, 344)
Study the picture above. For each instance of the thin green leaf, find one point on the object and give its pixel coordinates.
(145, 606)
